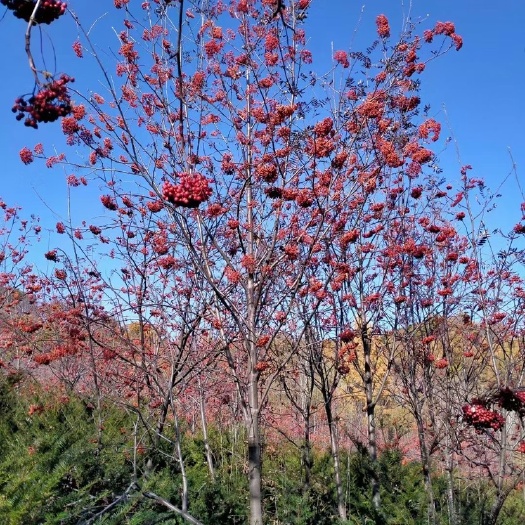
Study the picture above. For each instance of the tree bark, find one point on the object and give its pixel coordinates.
(254, 454)
(492, 517)
(425, 467)
(334, 448)
(451, 499)
(307, 459)
(180, 459)
(207, 448)
(370, 419)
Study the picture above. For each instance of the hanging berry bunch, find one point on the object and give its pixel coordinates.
(193, 188)
(51, 102)
(480, 417)
(512, 400)
(47, 12)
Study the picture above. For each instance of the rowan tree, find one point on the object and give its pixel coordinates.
(20, 317)
(491, 436)
(264, 190)
(365, 271)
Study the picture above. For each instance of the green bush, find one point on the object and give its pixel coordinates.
(62, 463)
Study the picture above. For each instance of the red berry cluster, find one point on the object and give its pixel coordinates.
(48, 10)
(441, 363)
(347, 335)
(481, 417)
(343, 369)
(511, 400)
(193, 188)
(50, 103)
(154, 206)
(51, 255)
(261, 366)
(109, 203)
(160, 244)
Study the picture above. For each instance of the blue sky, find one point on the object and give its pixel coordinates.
(475, 93)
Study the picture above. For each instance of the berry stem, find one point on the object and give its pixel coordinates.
(28, 42)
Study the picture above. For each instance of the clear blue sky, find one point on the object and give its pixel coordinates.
(480, 86)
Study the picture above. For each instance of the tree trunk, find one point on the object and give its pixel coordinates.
(425, 466)
(207, 448)
(371, 420)
(307, 456)
(334, 448)
(252, 304)
(180, 459)
(451, 500)
(502, 490)
(307, 459)
(254, 454)
(307, 389)
(492, 516)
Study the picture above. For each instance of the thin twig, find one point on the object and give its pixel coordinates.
(166, 503)
(123, 497)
